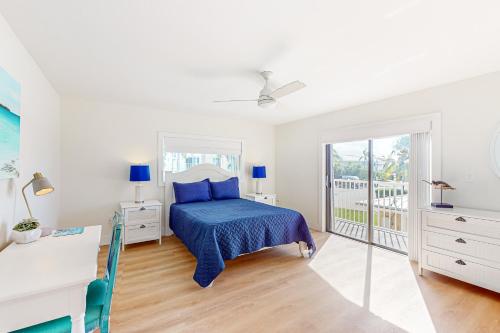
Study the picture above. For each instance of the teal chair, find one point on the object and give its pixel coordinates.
(99, 294)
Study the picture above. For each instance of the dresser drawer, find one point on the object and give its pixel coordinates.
(142, 231)
(461, 269)
(461, 245)
(142, 214)
(474, 226)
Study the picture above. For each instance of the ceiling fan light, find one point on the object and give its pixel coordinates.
(266, 103)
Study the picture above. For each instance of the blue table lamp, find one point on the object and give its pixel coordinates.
(139, 174)
(259, 172)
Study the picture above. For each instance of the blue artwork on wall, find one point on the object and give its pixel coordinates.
(10, 125)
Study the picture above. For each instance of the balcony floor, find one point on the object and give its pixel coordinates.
(382, 236)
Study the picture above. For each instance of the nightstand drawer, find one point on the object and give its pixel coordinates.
(140, 232)
(268, 199)
(142, 214)
(265, 199)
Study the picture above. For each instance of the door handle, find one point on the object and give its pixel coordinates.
(460, 219)
(460, 262)
(460, 240)
(142, 226)
(142, 208)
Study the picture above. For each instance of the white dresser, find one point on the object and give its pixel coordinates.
(461, 243)
(142, 221)
(269, 199)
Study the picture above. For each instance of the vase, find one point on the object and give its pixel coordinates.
(23, 237)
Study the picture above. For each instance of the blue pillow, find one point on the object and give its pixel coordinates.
(192, 192)
(227, 189)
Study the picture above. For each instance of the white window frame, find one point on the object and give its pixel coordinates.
(162, 136)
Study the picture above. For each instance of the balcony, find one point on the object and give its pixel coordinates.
(390, 211)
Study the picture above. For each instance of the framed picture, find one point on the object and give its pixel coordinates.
(10, 125)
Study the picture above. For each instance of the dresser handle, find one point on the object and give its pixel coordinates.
(460, 262)
(142, 208)
(460, 219)
(460, 240)
(142, 226)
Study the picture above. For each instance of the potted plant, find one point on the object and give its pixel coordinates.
(26, 231)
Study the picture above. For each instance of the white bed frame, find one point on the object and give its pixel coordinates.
(196, 174)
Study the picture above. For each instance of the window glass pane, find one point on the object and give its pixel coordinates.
(177, 162)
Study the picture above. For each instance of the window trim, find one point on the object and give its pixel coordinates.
(161, 139)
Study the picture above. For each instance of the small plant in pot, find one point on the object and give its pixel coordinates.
(26, 231)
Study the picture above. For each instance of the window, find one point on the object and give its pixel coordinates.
(177, 153)
(177, 162)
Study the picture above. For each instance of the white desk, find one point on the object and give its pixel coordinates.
(47, 279)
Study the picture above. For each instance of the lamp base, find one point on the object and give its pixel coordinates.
(138, 194)
(258, 189)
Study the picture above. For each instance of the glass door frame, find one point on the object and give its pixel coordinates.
(330, 198)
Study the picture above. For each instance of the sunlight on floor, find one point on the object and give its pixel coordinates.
(381, 281)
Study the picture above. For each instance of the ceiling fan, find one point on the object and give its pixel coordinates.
(268, 97)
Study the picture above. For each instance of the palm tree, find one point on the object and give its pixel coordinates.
(365, 156)
(337, 163)
(335, 155)
(402, 150)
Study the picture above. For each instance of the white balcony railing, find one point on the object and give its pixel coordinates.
(390, 203)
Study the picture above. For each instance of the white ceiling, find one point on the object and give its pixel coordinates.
(181, 55)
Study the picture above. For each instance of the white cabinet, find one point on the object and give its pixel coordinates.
(461, 243)
(142, 221)
(269, 199)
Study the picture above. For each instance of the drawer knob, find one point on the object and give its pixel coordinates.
(142, 208)
(142, 226)
(460, 262)
(460, 219)
(460, 240)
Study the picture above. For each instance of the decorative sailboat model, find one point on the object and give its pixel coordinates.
(440, 185)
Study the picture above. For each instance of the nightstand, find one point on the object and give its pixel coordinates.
(142, 221)
(269, 199)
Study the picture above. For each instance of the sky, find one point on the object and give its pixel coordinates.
(352, 151)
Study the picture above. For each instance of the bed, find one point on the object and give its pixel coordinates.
(219, 230)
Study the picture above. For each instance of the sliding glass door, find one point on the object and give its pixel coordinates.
(391, 158)
(350, 189)
(367, 191)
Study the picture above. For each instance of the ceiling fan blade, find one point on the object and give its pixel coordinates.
(287, 89)
(236, 100)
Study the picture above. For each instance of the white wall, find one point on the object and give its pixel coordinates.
(470, 113)
(101, 140)
(40, 138)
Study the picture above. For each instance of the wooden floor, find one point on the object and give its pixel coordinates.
(347, 287)
(382, 236)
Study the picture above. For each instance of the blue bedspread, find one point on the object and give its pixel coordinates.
(215, 231)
